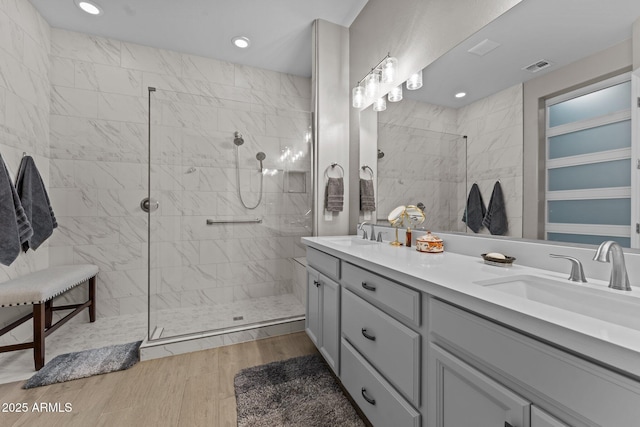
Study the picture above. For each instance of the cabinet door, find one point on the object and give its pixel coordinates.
(330, 315)
(313, 321)
(465, 397)
(540, 418)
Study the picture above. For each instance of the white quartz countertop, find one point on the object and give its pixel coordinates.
(452, 277)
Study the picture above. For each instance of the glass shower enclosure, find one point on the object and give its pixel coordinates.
(229, 199)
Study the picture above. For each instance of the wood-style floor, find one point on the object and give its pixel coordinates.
(194, 389)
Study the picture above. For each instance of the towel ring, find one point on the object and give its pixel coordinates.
(332, 167)
(365, 167)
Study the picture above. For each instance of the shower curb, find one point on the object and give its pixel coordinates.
(159, 348)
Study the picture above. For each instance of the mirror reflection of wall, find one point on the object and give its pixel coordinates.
(420, 166)
(428, 159)
(503, 114)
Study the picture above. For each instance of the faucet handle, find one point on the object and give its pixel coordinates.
(379, 236)
(577, 272)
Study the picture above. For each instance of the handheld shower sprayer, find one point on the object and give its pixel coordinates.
(260, 157)
(238, 140)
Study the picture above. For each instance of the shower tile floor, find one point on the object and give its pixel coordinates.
(78, 334)
(189, 320)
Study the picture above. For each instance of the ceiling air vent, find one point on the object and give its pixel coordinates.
(538, 65)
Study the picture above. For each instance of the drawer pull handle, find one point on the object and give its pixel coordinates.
(368, 287)
(315, 282)
(367, 398)
(367, 336)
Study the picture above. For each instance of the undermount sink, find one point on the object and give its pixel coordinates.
(604, 304)
(352, 241)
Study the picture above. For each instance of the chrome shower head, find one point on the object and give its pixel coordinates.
(238, 139)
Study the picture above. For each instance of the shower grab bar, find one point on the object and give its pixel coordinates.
(239, 221)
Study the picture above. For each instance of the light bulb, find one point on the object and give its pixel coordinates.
(379, 104)
(358, 97)
(460, 95)
(371, 85)
(88, 7)
(395, 94)
(389, 70)
(415, 81)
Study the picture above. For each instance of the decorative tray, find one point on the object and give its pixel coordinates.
(498, 262)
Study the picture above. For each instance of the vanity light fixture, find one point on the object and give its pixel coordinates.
(241, 42)
(395, 94)
(415, 81)
(88, 7)
(369, 85)
(460, 94)
(389, 67)
(379, 104)
(358, 97)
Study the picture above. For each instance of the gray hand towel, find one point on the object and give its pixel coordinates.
(334, 195)
(35, 202)
(14, 225)
(496, 218)
(475, 211)
(367, 197)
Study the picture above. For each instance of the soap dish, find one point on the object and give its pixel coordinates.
(507, 262)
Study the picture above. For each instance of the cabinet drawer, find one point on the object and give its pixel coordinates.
(324, 263)
(386, 343)
(382, 405)
(577, 386)
(401, 301)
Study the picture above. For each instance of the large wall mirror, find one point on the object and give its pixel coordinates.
(564, 166)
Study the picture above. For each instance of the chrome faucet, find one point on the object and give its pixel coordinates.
(611, 251)
(373, 232)
(364, 232)
(577, 272)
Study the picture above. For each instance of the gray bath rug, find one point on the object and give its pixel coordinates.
(295, 392)
(83, 364)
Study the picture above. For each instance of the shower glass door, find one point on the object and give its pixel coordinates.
(214, 263)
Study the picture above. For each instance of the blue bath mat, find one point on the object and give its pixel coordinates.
(87, 363)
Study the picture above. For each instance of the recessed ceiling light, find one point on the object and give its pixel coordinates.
(461, 94)
(89, 7)
(241, 42)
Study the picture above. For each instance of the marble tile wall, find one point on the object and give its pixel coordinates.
(424, 162)
(24, 119)
(494, 127)
(99, 109)
(410, 134)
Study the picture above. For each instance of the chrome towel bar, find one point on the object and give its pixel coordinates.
(239, 221)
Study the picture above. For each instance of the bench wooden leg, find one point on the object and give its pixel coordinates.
(92, 298)
(38, 335)
(48, 313)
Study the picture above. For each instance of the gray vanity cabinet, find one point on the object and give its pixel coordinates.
(322, 322)
(409, 358)
(323, 316)
(466, 397)
(540, 418)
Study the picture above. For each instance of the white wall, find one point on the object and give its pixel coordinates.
(24, 118)
(331, 108)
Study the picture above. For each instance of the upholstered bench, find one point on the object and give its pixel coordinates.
(39, 289)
